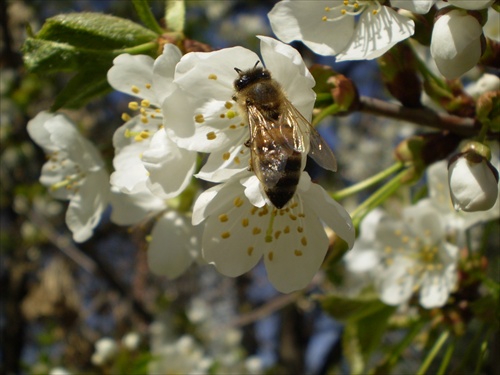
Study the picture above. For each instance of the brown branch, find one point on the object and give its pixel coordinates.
(463, 126)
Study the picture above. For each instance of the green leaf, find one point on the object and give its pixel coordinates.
(48, 56)
(84, 86)
(95, 31)
(175, 15)
(371, 328)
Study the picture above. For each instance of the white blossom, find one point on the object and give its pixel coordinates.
(241, 228)
(333, 27)
(408, 255)
(106, 349)
(74, 171)
(471, 4)
(143, 151)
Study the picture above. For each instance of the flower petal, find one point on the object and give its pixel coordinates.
(173, 245)
(164, 70)
(170, 167)
(376, 33)
(395, 283)
(302, 20)
(86, 207)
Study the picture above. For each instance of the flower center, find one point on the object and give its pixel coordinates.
(350, 8)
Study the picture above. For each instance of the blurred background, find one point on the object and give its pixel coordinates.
(95, 307)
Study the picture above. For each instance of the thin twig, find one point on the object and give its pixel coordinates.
(463, 126)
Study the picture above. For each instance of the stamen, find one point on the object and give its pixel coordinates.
(135, 89)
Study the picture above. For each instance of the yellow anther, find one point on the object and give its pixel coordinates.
(228, 105)
(232, 126)
(277, 234)
(256, 230)
(303, 241)
(269, 238)
(324, 18)
(144, 119)
(134, 106)
(223, 218)
(199, 119)
(231, 114)
(245, 222)
(250, 250)
(226, 155)
(297, 253)
(148, 85)
(212, 76)
(300, 229)
(292, 216)
(225, 235)
(126, 117)
(327, 9)
(270, 255)
(286, 230)
(238, 202)
(237, 160)
(145, 103)
(135, 89)
(211, 136)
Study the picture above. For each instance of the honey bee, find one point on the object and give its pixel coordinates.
(279, 135)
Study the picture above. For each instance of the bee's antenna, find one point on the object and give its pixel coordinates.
(257, 63)
(239, 71)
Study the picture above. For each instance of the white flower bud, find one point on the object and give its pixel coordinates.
(473, 185)
(456, 43)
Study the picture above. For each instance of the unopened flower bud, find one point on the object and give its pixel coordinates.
(456, 42)
(344, 92)
(473, 182)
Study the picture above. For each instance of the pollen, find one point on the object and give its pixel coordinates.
(256, 230)
(212, 76)
(375, 12)
(303, 241)
(327, 9)
(126, 117)
(199, 119)
(297, 253)
(238, 202)
(228, 105)
(141, 136)
(223, 218)
(211, 136)
(270, 256)
(145, 103)
(134, 106)
(144, 120)
(148, 85)
(324, 18)
(226, 155)
(250, 250)
(225, 235)
(245, 222)
(231, 114)
(135, 89)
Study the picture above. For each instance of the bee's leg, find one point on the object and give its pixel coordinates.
(250, 169)
(247, 143)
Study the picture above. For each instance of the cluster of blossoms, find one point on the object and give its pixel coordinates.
(418, 251)
(366, 29)
(186, 108)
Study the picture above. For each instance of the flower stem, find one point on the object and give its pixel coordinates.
(446, 359)
(341, 194)
(330, 110)
(144, 12)
(377, 198)
(137, 50)
(483, 132)
(432, 354)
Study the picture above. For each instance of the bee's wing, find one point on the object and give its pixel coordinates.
(265, 144)
(302, 131)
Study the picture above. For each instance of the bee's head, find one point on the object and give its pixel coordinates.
(250, 76)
